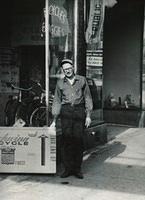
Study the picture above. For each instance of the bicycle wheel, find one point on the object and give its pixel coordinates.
(38, 117)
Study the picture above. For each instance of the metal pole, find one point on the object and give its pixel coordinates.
(47, 58)
(75, 33)
(85, 17)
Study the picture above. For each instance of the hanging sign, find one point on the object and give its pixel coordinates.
(27, 150)
(96, 19)
(58, 20)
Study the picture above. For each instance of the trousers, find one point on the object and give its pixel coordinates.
(72, 124)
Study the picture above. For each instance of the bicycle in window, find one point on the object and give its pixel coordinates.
(31, 108)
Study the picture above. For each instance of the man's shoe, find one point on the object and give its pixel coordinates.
(65, 174)
(79, 175)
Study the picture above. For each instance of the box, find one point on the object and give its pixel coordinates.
(27, 150)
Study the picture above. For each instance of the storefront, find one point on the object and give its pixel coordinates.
(105, 40)
(24, 57)
(114, 71)
(34, 38)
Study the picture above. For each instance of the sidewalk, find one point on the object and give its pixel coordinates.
(115, 171)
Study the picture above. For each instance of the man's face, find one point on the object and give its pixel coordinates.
(68, 70)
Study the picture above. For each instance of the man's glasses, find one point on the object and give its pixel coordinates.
(66, 69)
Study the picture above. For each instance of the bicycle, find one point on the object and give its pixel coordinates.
(18, 107)
(13, 104)
(38, 117)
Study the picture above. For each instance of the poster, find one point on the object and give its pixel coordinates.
(95, 58)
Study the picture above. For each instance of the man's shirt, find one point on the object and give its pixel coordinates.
(74, 94)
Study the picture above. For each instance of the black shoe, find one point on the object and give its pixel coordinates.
(65, 174)
(79, 175)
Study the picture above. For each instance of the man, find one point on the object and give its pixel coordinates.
(73, 102)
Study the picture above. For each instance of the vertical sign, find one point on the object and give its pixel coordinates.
(96, 19)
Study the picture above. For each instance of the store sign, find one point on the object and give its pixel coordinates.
(96, 20)
(27, 150)
(95, 58)
(58, 19)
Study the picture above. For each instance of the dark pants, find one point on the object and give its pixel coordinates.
(72, 122)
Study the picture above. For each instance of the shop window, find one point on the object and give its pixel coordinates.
(28, 37)
(22, 67)
(61, 34)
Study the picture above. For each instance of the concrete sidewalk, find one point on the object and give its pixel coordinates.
(115, 171)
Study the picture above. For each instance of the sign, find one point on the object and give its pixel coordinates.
(96, 20)
(95, 58)
(27, 150)
(58, 19)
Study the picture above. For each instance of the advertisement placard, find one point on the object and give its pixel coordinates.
(95, 58)
(27, 150)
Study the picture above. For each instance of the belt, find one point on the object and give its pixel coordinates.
(74, 105)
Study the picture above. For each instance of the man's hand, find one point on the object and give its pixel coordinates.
(88, 122)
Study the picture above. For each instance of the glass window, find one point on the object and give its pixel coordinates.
(61, 34)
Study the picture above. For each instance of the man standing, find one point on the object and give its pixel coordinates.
(73, 102)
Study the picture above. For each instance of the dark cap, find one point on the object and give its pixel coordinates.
(66, 61)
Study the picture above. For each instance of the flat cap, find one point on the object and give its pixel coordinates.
(66, 61)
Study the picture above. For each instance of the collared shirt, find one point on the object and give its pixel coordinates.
(74, 94)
